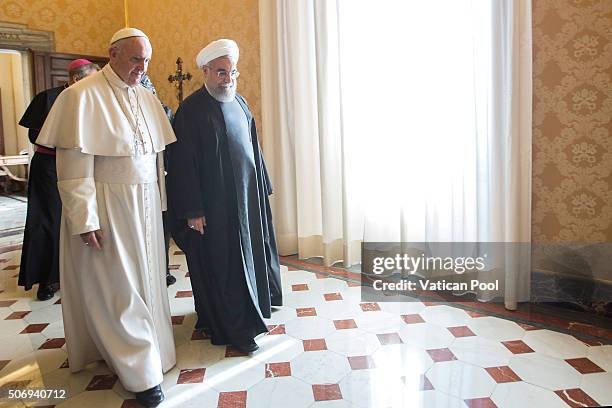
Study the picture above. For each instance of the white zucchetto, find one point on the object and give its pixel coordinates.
(127, 32)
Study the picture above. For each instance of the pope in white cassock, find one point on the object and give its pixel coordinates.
(109, 133)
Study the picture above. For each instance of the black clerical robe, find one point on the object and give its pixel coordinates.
(40, 251)
(234, 266)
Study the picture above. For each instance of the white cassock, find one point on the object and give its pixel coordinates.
(109, 139)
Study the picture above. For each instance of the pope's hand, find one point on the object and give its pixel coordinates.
(93, 239)
(197, 224)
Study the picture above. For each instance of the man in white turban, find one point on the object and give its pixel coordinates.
(109, 134)
(218, 189)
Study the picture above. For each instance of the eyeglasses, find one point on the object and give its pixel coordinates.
(222, 74)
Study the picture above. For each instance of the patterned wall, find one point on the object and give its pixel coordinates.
(80, 26)
(183, 28)
(572, 128)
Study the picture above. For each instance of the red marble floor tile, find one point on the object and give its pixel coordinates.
(179, 253)
(485, 402)
(278, 370)
(517, 347)
(191, 376)
(53, 344)
(427, 303)
(199, 335)
(34, 328)
(314, 344)
(184, 294)
(361, 362)
(234, 399)
(345, 324)
(65, 364)
(131, 403)
(369, 307)
(232, 352)
(443, 354)
(11, 267)
(326, 392)
(59, 302)
(460, 331)
(3, 363)
(275, 329)
(332, 296)
(528, 327)
(7, 303)
(17, 315)
(352, 284)
(102, 382)
(474, 314)
(503, 374)
(306, 311)
(412, 318)
(321, 276)
(389, 338)
(173, 267)
(584, 365)
(589, 342)
(299, 287)
(291, 268)
(177, 320)
(575, 397)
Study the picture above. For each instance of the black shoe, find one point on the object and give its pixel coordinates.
(45, 292)
(247, 348)
(170, 280)
(151, 397)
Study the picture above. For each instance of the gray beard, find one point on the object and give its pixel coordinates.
(225, 95)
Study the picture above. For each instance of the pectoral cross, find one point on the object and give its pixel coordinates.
(179, 77)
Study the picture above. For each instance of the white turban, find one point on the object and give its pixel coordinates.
(216, 49)
(127, 33)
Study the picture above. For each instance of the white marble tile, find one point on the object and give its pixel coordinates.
(281, 315)
(328, 285)
(401, 308)
(545, 371)
(234, 374)
(378, 322)
(402, 360)
(11, 328)
(339, 310)
(352, 342)
(555, 344)
(599, 387)
(496, 329)
(445, 316)
(462, 380)
(190, 396)
(437, 399)
(301, 299)
(48, 314)
(602, 356)
(106, 399)
(368, 388)
(278, 348)
(313, 327)
(198, 354)
(297, 277)
(332, 404)
(54, 330)
(320, 367)
(521, 394)
(280, 392)
(480, 351)
(426, 335)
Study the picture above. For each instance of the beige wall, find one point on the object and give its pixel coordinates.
(13, 104)
(572, 140)
(80, 26)
(183, 28)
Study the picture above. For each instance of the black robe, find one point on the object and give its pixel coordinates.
(232, 290)
(40, 251)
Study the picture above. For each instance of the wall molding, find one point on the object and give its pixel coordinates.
(19, 36)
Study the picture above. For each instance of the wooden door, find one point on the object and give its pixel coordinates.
(51, 68)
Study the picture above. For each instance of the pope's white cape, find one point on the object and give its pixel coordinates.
(114, 301)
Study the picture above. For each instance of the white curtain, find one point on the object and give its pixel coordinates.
(399, 121)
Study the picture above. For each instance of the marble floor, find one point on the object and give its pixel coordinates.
(325, 348)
